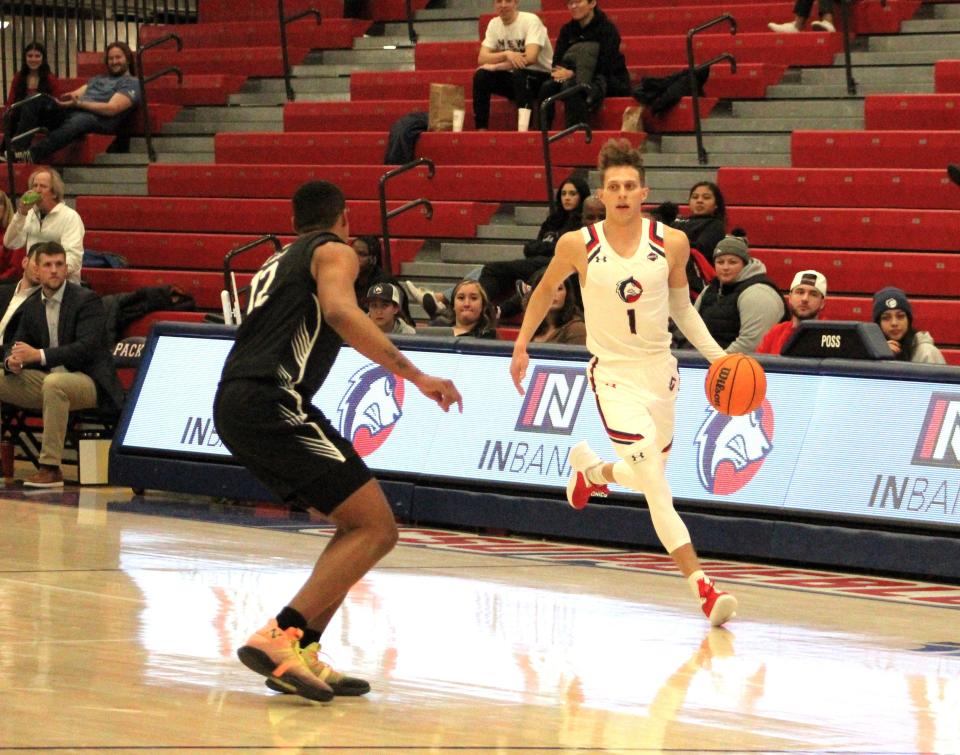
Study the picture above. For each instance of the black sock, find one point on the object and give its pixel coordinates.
(309, 635)
(291, 617)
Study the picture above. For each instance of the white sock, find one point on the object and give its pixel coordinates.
(693, 579)
(594, 474)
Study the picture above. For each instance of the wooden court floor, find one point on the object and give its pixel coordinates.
(118, 630)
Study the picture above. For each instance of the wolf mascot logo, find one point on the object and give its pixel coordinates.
(370, 408)
(629, 290)
(731, 450)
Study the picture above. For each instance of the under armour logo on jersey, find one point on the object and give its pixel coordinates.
(653, 256)
(629, 290)
(638, 456)
(598, 258)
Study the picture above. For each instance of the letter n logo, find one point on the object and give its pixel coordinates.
(553, 400)
(939, 441)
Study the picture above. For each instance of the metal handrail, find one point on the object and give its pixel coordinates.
(230, 296)
(547, 140)
(847, 58)
(386, 216)
(141, 49)
(164, 72)
(692, 74)
(410, 30)
(284, 20)
(26, 135)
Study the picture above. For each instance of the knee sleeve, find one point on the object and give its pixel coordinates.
(642, 469)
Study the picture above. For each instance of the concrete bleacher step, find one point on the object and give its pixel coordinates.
(716, 159)
(280, 98)
(512, 231)
(355, 56)
(170, 145)
(140, 158)
(914, 43)
(301, 85)
(478, 254)
(271, 117)
(898, 58)
(932, 26)
(885, 75)
(756, 144)
(727, 123)
(850, 108)
(835, 91)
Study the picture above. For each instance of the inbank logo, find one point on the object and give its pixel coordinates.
(553, 400)
(939, 441)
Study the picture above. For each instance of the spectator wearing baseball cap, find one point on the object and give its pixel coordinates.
(893, 313)
(384, 302)
(805, 301)
(741, 303)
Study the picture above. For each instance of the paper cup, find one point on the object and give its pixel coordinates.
(523, 119)
(458, 120)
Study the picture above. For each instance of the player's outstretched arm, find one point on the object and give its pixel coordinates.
(569, 249)
(335, 269)
(681, 310)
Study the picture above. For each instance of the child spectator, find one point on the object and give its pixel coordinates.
(801, 12)
(514, 59)
(806, 300)
(564, 321)
(893, 313)
(384, 301)
(741, 304)
(33, 77)
(587, 52)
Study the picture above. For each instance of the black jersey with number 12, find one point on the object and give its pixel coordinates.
(283, 338)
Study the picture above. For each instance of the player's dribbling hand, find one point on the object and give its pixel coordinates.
(442, 391)
(518, 368)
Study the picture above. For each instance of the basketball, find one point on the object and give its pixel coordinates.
(736, 384)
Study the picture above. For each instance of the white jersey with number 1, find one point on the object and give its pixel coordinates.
(626, 300)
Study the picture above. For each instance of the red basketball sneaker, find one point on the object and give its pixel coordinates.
(717, 605)
(579, 488)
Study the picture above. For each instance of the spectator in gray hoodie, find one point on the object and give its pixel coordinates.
(741, 304)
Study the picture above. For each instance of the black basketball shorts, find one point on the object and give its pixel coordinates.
(287, 444)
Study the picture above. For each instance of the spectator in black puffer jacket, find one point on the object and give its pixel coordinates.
(741, 304)
(587, 52)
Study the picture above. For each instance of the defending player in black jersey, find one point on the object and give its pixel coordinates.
(301, 308)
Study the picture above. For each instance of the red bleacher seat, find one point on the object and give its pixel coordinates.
(873, 149)
(195, 89)
(210, 11)
(205, 287)
(245, 61)
(205, 251)
(453, 219)
(912, 111)
(143, 326)
(848, 228)
(946, 76)
(378, 115)
(940, 317)
(839, 187)
(330, 34)
(465, 148)
(920, 273)
(869, 17)
(951, 355)
(750, 81)
(809, 48)
(488, 183)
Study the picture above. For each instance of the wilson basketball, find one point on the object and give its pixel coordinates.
(736, 384)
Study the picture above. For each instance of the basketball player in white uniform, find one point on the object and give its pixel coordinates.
(632, 273)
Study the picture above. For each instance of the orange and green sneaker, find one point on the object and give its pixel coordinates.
(341, 684)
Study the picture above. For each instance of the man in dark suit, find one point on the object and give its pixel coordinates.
(59, 360)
